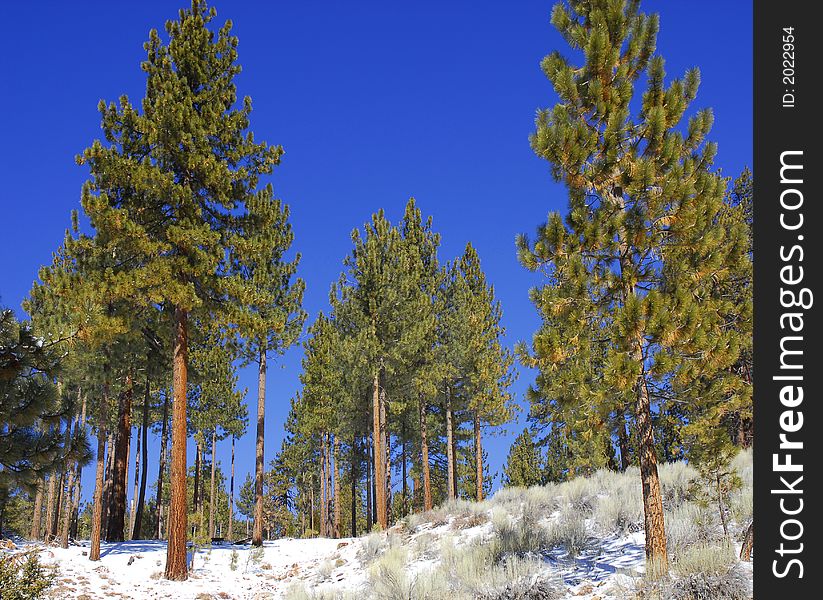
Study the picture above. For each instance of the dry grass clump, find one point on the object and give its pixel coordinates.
(389, 579)
(691, 525)
(702, 572)
(619, 505)
(375, 544)
(677, 481)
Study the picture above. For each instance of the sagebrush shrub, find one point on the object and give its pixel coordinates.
(676, 483)
(375, 544)
(569, 531)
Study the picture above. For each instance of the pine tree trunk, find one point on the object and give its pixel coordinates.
(102, 439)
(67, 502)
(369, 486)
(68, 508)
(323, 501)
(212, 493)
(164, 439)
(195, 498)
(54, 523)
(623, 442)
(37, 515)
(386, 443)
(379, 457)
(75, 508)
(719, 489)
(424, 457)
(231, 494)
(337, 471)
(303, 509)
(478, 457)
(108, 482)
(748, 543)
(50, 506)
(117, 500)
(404, 488)
(652, 499)
(136, 484)
(452, 484)
(257, 535)
(144, 464)
(58, 505)
(176, 566)
(198, 490)
(311, 509)
(353, 478)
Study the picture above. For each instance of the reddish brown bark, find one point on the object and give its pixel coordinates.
(386, 442)
(369, 486)
(424, 457)
(336, 487)
(67, 502)
(451, 483)
(212, 494)
(748, 543)
(176, 567)
(102, 439)
(323, 480)
(195, 501)
(37, 516)
(50, 500)
(478, 457)
(231, 493)
(144, 464)
(379, 456)
(161, 471)
(117, 510)
(257, 534)
(353, 483)
(75, 504)
(656, 551)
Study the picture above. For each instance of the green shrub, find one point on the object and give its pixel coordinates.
(24, 577)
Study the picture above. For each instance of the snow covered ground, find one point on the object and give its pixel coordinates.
(581, 539)
(135, 569)
(608, 570)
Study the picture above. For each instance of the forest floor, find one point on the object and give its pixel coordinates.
(135, 569)
(581, 540)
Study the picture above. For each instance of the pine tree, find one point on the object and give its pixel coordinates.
(219, 406)
(488, 374)
(524, 465)
(367, 300)
(267, 303)
(79, 299)
(165, 192)
(640, 241)
(29, 406)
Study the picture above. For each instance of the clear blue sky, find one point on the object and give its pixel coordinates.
(373, 102)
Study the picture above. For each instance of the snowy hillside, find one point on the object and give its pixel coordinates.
(581, 539)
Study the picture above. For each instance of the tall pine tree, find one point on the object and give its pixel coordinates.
(164, 193)
(640, 189)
